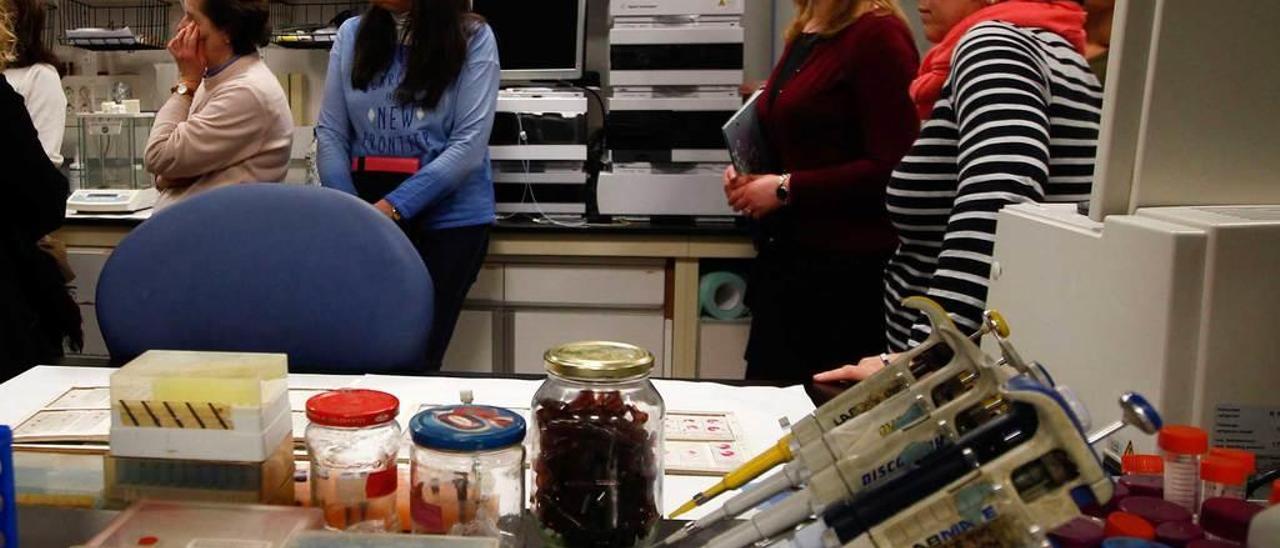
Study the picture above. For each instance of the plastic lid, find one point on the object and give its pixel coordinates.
(1178, 534)
(1081, 532)
(1223, 470)
(1123, 524)
(1183, 440)
(1228, 518)
(352, 408)
(1155, 511)
(1151, 465)
(1247, 458)
(467, 428)
(1275, 492)
(1143, 486)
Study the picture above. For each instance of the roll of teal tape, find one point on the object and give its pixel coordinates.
(722, 295)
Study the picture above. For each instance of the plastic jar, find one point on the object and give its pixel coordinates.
(598, 447)
(352, 442)
(1222, 478)
(1182, 447)
(468, 472)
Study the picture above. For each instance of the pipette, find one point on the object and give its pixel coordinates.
(907, 369)
(842, 523)
(874, 446)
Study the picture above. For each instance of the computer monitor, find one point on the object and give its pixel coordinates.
(537, 39)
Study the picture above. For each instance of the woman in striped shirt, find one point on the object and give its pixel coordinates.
(1012, 113)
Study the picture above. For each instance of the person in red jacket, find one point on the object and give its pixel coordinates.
(838, 116)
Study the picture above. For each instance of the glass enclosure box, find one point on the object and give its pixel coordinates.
(111, 151)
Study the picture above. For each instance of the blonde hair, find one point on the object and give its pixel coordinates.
(8, 42)
(838, 14)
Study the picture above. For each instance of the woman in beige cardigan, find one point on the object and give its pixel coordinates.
(227, 120)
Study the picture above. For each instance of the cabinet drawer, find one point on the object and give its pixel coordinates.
(536, 331)
(489, 285)
(87, 263)
(472, 347)
(586, 285)
(721, 346)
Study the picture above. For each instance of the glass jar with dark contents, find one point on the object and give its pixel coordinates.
(598, 446)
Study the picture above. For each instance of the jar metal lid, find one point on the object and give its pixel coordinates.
(598, 360)
(467, 428)
(352, 408)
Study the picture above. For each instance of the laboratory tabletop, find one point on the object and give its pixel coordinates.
(511, 225)
(757, 408)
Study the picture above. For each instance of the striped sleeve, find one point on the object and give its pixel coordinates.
(1001, 101)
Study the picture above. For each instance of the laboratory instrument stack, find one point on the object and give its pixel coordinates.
(201, 426)
(675, 70)
(538, 150)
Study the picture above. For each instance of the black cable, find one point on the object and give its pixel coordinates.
(1262, 480)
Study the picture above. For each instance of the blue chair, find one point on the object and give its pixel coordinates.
(310, 272)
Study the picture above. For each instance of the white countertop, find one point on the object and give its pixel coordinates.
(757, 408)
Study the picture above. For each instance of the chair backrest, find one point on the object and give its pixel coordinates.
(306, 271)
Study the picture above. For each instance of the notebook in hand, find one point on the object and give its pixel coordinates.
(744, 134)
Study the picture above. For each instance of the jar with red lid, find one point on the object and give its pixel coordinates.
(352, 442)
(1182, 448)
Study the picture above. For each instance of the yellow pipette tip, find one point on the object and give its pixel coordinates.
(754, 468)
(683, 509)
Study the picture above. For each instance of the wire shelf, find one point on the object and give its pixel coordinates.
(114, 27)
(310, 24)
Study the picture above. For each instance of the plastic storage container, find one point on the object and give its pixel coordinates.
(468, 472)
(598, 446)
(352, 441)
(157, 523)
(1121, 524)
(1182, 447)
(1222, 477)
(212, 406)
(268, 482)
(8, 502)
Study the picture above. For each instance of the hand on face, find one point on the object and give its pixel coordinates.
(187, 49)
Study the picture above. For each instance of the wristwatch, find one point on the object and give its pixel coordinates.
(784, 188)
(183, 89)
(395, 213)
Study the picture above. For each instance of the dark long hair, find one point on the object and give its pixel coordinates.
(437, 34)
(28, 27)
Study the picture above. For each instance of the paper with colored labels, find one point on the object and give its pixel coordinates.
(687, 426)
(698, 458)
(65, 425)
(98, 397)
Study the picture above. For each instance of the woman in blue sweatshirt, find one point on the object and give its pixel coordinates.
(408, 107)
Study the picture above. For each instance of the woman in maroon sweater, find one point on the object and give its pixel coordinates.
(839, 118)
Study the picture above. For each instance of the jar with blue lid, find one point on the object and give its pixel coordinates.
(468, 472)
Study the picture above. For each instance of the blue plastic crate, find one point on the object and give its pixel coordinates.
(8, 504)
